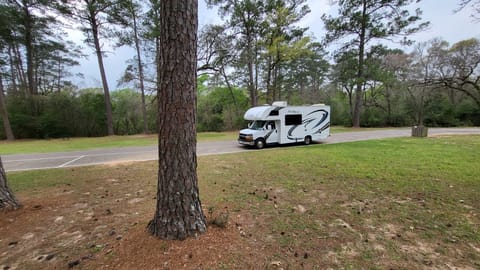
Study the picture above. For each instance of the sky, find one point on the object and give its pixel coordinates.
(444, 23)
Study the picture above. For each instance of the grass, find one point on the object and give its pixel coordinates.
(412, 202)
(73, 144)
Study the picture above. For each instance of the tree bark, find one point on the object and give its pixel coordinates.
(7, 199)
(178, 212)
(98, 50)
(3, 111)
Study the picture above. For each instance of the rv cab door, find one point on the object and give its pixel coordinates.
(272, 135)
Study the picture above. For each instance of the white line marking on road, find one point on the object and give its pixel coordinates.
(71, 161)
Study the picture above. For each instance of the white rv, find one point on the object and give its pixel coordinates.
(281, 124)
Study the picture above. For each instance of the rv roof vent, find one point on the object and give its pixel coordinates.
(279, 104)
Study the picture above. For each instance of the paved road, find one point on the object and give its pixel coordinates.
(21, 162)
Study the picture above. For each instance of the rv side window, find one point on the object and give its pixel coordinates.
(293, 119)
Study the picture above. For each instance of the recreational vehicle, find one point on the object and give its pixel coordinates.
(281, 124)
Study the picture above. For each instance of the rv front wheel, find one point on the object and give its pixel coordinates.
(308, 140)
(260, 143)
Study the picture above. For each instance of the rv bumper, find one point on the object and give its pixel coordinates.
(246, 139)
(251, 143)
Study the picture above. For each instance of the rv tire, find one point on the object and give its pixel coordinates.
(307, 140)
(259, 143)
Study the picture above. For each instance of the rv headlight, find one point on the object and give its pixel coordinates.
(249, 137)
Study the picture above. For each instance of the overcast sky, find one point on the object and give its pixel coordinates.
(444, 23)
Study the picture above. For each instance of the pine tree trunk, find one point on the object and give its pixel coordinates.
(28, 39)
(106, 91)
(4, 113)
(250, 63)
(140, 74)
(178, 212)
(360, 80)
(7, 199)
(12, 69)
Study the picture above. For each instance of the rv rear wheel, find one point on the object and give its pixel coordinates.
(308, 140)
(260, 143)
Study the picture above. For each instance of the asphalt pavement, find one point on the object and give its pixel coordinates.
(22, 162)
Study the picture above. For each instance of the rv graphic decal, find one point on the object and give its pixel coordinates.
(268, 134)
(323, 128)
(307, 125)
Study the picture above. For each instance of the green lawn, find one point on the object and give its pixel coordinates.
(387, 204)
(72, 144)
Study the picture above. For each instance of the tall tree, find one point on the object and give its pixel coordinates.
(52, 60)
(92, 14)
(7, 198)
(419, 79)
(179, 212)
(394, 64)
(4, 113)
(127, 14)
(282, 38)
(458, 67)
(361, 21)
(245, 19)
(30, 28)
(5, 37)
(380, 82)
(343, 74)
(28, 20)
(151, 39)
(216, 57)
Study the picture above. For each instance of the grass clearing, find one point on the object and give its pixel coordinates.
(411, 202)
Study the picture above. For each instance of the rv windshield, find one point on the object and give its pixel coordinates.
(256, 125)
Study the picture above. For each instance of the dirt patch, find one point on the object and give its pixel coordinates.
(100, 223)
(139, 250)
(97, 220)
